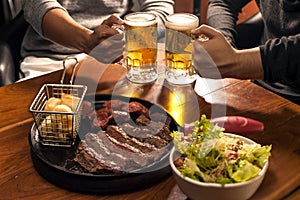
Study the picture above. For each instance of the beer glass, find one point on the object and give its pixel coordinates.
(179, 47)
(141, 47)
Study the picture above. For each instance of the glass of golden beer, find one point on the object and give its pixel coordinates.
(141, 47)
(179, 47)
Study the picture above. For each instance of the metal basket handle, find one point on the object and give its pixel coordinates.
(73, 71)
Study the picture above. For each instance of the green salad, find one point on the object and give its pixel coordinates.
(209, 155)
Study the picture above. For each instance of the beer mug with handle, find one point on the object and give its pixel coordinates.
(179, 47)
(141, 47)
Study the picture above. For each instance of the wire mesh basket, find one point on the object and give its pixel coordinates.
(56, 110)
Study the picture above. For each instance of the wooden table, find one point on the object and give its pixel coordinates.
(19, 179)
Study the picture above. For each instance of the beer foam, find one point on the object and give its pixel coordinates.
(182, 21)
(140, 19)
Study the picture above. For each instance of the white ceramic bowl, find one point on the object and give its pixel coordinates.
(197, 190)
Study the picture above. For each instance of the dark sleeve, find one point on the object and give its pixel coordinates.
(223, 14)
(281, 59)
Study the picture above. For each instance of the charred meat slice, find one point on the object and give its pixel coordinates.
(102, 118)
(143, 120)
(119, 117)
(118, 134)
(156, 141)
(136, 131)
(161, 117)
(165, 134)
(92, 161)
(101, 145)
(115, 105)
(144, 134)
(135, 155)
(136, 109)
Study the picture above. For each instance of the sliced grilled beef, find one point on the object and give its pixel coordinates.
(92, 161)
(144, 134)
(123, 137)
(118, 134)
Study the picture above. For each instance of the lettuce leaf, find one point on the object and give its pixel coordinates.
(181, 145)
(243, 171)
(256, 154)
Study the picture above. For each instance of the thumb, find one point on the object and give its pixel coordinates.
(205, 32)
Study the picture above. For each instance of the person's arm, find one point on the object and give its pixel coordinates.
(276, 60)
(280, 58)
(216, 58)
(59, 27)
(223, 15)
(161, 8)
(51, 21)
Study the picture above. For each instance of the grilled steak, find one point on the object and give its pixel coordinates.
(123, 137)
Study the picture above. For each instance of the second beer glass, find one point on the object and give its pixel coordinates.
(179, 47)
(141, 47)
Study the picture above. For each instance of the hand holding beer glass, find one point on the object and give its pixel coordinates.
(179, 47)
(141, 47)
